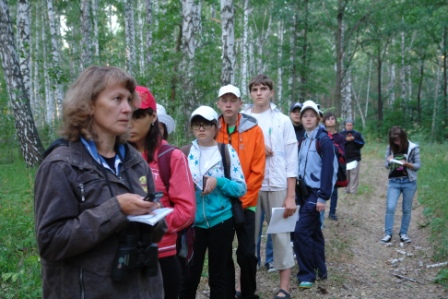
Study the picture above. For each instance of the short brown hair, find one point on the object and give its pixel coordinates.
(76, 108)
(261, 80)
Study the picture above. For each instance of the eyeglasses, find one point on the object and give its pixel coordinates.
(197, 126)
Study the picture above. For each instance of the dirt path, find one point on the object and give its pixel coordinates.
(358, 265)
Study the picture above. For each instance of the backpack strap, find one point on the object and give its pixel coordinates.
(186, 149)
(163, 160)
(225, 156)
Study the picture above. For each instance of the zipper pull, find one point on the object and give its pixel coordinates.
(81, 186)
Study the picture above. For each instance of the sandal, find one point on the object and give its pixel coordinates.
(281, 291)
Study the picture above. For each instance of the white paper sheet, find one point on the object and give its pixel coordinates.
(152, 218)
(352, 165)
(278, 224)
(396, 161)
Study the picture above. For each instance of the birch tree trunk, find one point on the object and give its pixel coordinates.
(24, 43)
(130, 35)
(86, 33)
(391, 85)
(245, 49)
(96, 42)
(280, 58)
(148, 35)
(339, 58)
(293, 53)
(48, 94)
(228, 42)
(30, 144)
(55, 79)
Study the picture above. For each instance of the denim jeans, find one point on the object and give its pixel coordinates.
(396, 187)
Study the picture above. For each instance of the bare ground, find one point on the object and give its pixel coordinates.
(359, 266)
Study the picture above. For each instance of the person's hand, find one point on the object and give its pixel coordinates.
(390, 158)
(349, 138)
(268, 151)
(320, 207)
(133, 204)
(210, 185)
(290, 206)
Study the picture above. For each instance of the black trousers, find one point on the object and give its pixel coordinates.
(218, 241)
(246, 258)
(172, 276)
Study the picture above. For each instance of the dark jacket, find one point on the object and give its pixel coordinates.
(78, 223)
(353, 148)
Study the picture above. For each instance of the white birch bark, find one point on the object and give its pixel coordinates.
(228, 42)
(141, 41)
(148, 35)
(86, 33)
(130, 36)
(346, 84)
(30, 144)
(245, 49)
(280, 58)
(48, 94)
(96, 43)
(55, 59)
(403, 68)
(436, 96)
(24, 43)
(368, 88)
(391, 85)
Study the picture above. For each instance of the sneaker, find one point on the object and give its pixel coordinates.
(333, 217)
(405, 238)
(306, 284)
(386, 239)
(270, 268)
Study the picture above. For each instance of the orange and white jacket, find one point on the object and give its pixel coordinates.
(248, 141)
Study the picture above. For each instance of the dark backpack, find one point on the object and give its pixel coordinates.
(185, 237)
(341, 180)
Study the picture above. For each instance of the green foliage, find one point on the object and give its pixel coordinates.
(19, 261)
(432, 182)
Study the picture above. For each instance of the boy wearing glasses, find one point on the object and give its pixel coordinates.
(246, 137)
(278, 187)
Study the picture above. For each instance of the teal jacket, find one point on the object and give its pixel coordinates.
(216, 207)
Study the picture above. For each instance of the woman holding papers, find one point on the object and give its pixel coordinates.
(88, 184)
(214, 225)
(318, 172)
(178, 193)
(403, 160)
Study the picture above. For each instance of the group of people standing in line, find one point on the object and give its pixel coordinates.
(107, 165)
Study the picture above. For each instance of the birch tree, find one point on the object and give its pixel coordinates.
(245, 49)
(149, 23)
(130, 36)
(30, 144)
(228, 42)
(55, 64)
(86, 33)
(24, 43)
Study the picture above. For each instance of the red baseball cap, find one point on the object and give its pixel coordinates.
(147, 99)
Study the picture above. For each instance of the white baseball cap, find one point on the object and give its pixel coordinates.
(310, 105)
(229, 89)
(166, 119)
(206, 112)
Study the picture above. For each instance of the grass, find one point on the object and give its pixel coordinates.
(19, 261)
